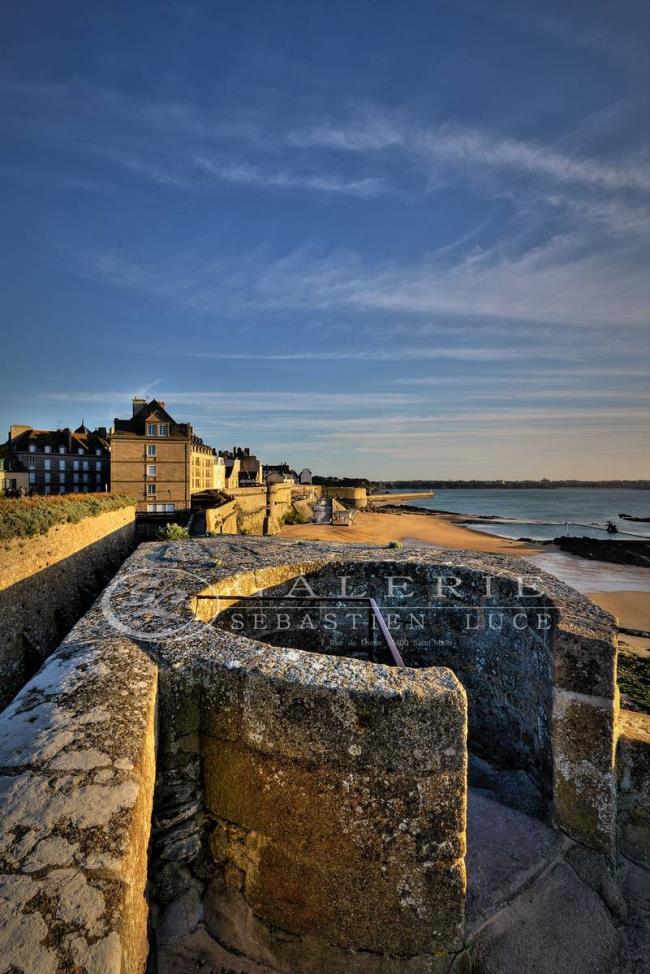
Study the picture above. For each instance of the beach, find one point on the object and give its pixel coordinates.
(631, 607)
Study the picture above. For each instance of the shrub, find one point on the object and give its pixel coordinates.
(294, 517)
(173, 532)
(29, 516)
(395, 544)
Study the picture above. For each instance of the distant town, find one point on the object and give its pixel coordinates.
(148, 456)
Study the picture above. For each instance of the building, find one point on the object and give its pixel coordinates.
(219, 473)
(250, 472)
(306, 476)
(231, 472)
(14, 477)
(202, 466)
(341, 514)
(281, 473)
(61, 461)
(158, 461)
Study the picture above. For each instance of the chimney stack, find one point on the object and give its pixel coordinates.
(138, 404)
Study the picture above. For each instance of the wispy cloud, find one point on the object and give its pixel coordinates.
(561, 281)
(473, 147)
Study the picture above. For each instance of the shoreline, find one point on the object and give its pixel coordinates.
(446, 530)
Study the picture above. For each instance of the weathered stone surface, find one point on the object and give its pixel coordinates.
(309, 807)
(558, 925)
(633, 769)
(77, 751)
(584, 793)
(360, 856)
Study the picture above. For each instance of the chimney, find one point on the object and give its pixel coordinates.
(138, 404)
(16, 430)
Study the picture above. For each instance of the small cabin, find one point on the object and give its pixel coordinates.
(341, 514)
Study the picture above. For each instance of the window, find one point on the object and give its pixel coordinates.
(46, 490)
(47, 464)
(85, 478)
(47, 476)
(75, 464)
(98, 465)
(151, 449)
(75, 478)
(61, 466)
(170, 507)
(32, 476)
(163, 429)
(32, 448)
(151, 490)
(32, 463)
(80, 451)
(98, 452)
(62, 489)
(84, 464)
(151, 470)
(48, 449)
(61, 449)
(151, 429)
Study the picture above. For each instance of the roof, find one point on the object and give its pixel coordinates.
(136, 424)
(89, 441)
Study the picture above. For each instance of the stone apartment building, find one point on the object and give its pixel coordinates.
(61, 461)
(243, 468)
(158, 461)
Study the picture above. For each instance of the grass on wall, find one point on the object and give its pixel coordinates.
(32, 516)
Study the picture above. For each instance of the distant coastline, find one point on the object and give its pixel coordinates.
(378, 486)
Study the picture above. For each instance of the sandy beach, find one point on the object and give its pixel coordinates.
(632, 608)
(435, 529)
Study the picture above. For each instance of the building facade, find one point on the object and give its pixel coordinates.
(243, 468)
(14, 476)
(158, 461)
(61, 461)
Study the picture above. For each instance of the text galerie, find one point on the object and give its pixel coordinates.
(313, 611)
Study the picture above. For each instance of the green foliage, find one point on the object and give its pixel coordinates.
(294, 517)
(395, 544)
(173, 532)
(29, 516)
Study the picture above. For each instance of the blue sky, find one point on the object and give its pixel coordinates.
(393, 240)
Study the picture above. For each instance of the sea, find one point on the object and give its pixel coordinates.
(544, 514)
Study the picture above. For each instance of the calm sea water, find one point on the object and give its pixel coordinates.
(543, 514)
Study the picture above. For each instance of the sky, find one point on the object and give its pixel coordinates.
(394, 240)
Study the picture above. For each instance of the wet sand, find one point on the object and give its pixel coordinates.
(632, 608)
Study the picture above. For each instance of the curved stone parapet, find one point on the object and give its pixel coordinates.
(309, 807)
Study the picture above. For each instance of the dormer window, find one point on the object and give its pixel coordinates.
(80, 451)
(32, 448)
(151, 429)
(163, 429)
(98, 452)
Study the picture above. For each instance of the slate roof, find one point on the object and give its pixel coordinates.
(71, 441)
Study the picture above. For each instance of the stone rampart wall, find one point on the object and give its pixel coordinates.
(48, 581)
